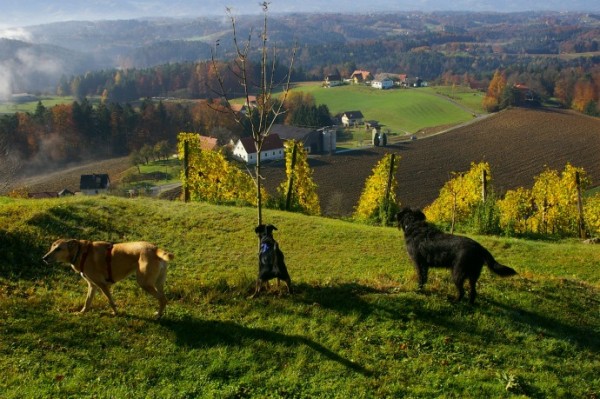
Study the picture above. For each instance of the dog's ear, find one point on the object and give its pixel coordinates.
(419, 215)
(259, 229)
(270, 228)
(72, 245)
(400, 215)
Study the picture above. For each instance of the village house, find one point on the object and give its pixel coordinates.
(244, 149)
(360, 76)
(94, 184)
(382, 84)
(315, 141)
(351, 118)
(332, 80)
(208, 143)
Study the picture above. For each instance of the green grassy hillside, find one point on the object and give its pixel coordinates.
(354, 328)
(400, 110)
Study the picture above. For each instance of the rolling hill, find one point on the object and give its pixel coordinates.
(354, 327)
(518, 143)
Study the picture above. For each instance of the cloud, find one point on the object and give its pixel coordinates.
(15, 34)
(6, 79)
(26, 70)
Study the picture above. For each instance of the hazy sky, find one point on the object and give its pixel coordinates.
(30, 12)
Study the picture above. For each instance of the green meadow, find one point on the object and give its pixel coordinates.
(30, 106)
(354, 327)
(401, 111)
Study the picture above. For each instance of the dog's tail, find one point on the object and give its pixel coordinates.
(497, 267)
(164, 255)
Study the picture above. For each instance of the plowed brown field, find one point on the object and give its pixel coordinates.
(517, 143)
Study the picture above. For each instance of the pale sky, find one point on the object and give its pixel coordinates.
(15, 13)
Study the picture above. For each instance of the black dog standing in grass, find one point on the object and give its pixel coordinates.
(271, 263)
(430, 247)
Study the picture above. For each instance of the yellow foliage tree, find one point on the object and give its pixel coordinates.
(378, 199)
(550, 207)
(460, 195)
(592, 215)
(210, 177)
(516, 210)
(491, 101)
(303, 188)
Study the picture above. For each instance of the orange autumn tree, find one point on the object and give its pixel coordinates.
(491, 101)
(584, 94)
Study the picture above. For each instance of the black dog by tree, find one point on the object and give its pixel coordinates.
(271, 263)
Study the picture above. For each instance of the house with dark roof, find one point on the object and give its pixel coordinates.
(351, 118)
(94, 184)
(244, 149)
(332, 80)
(315, 141)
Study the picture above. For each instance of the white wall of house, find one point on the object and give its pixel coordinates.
(239, 153)
(383, 84)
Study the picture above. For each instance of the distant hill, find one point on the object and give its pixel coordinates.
(389, 38)
(29, 67)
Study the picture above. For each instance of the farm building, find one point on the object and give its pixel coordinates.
(351, 118)
(94, 184)
(383, 84)
(360, 76)
(208, 143)
(314, 140)
(244, 150)
(332, 80)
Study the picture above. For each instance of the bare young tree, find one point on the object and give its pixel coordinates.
(267, 109)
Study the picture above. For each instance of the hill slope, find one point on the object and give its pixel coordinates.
(518, 143)
(354, 328)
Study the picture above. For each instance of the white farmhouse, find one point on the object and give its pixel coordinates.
(385, 83)
(272, 149)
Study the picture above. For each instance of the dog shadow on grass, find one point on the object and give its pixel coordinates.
(549, 327)
(198, 333)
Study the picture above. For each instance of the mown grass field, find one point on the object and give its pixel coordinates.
(30, 106)
(400, 110)
(354, 328)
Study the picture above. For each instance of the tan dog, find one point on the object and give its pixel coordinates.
(102, 264)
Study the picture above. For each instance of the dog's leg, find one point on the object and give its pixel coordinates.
(257, 288)
(422, 271)
(160, 283)
(461, 290)
(106, 291)
(288, 283)
(472, 291)
(90, 296)
(156, 293)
